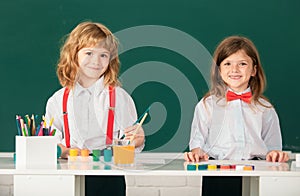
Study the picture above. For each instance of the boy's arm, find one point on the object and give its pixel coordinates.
(139, 136)
(64, 151)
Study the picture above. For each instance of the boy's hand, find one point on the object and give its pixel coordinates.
(138, 137)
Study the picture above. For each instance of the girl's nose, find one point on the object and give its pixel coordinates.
(234, 67)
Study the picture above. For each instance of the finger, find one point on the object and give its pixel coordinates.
(268, 157)
(139, 135)
(128, 138)
(286, 157)
(197, 157)
(135, 135)
(128, 134)
(201, 156)
(133, 130)
(186, 158)
(206, 157)
(274, 156)
(191, 156)
(129, 130)
(280, 156)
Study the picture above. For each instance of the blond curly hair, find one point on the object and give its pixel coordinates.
(87, 34)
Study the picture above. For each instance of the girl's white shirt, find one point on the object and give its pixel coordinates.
(234, 130)
(88, 115)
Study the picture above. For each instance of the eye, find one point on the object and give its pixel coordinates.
(227, 64)
(104, 55)
(89, 53)
(243, 64)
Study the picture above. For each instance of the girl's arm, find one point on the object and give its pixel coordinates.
(277, 156)
(271, 132)
(199, 133)
(196, 155)
(272, 137)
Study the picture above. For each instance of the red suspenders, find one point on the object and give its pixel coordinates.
(110, 121)
(111, 115)
(65, 114)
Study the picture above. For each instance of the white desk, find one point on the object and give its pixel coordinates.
(68, 179)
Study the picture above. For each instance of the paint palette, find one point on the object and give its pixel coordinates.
(215, 167)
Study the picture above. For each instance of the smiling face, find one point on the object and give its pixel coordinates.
(236, 71)
(93, 62)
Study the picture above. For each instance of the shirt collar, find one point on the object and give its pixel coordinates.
(78, 90)
(99, 86)
(96, 88)
(239, 93)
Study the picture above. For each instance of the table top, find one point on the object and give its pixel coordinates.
(169, 164)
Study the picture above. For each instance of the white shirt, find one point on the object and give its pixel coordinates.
(88, 115)
(234, 130)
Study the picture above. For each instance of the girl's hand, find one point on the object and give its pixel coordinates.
(277, 156)
(138, 137)
(196, 155)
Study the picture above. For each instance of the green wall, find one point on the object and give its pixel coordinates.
(164, 54)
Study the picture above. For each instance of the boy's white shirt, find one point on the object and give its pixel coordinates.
(214, 129)
(90, 132)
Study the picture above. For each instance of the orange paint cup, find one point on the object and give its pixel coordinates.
(84, 152)
(123, 152)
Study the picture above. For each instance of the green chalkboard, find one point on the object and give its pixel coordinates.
(166, 49)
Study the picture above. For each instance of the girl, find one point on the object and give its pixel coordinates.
(234, 120)
(91, 106)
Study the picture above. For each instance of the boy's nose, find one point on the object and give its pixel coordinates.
(96, 59)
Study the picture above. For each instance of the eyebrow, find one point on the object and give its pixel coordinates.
(236, 61)
(93, 49)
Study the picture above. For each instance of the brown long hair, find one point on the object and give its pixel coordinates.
(227, 47)
(87, 34)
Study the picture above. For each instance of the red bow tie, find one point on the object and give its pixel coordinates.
(246, 97)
